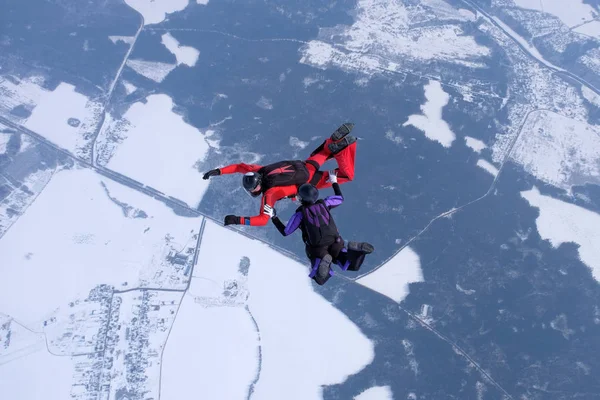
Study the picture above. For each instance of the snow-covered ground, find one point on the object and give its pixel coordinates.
(591, 28)
(154, 145)
(387, 35)
(63, 116)
(79, 234)
(155, 11)
(21, 197)
(67, 118)
(431, 121)
(486, 165)
(154, 70)
(4, 138)
(376, 393)
(590, 96)
(571, 12)
(393, 277)
(129, 87)
(184, 54)
(38, 375)
(558, 150)
(254, 313)
(561, 222)
(475, 144)
(124, 39)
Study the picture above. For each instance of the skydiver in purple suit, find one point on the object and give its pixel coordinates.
(324, 245)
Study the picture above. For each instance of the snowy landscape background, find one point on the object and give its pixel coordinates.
(477, 181)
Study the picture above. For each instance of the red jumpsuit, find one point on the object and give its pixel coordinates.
(345, 173)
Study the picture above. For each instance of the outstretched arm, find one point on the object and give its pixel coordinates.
(240, 168)
(269, 199)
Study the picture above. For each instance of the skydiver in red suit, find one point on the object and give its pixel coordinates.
(281, 179)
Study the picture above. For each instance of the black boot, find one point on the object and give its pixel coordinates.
(342, 131)
(363, 247)
(336, 147)
(324, 270)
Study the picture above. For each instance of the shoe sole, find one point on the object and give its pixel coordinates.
(342, 131)
(336, 147)
(324, 266)
(366, 248)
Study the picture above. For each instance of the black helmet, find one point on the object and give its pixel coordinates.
(251, 182)
(308, 194)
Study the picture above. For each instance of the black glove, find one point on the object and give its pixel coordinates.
(212, 172)
(231, 220)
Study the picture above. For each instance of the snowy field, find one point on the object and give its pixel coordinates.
(385, 36)
(487, 166)
(431, 121)
(63, 116)
(393, 277)
(125, 39)
(570, 12)
(167, 151)
(184, 54)
(4, 138)
(475, 144)
(376, 393)
(559, 150)
(153, 70)
(92, 234)
(248, 321)
(561, 222)
(155, 11)
(21, 197)
(38, 375)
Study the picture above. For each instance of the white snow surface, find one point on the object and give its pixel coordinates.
(431, 121)
(489, 167)
(376, 393)
(591, 59)
(220, 345)
(129, 87)
(590, 96)
(4, 138)
(202, 2)
(52, 111)
(38, 375)
(558, 150)
(216, 332)
(184, 54)
(392, 278)
(561, 222)
(475, 144)
(154, 70)
(165, 148)
(124, 39)
(74, 237)
(155, 11)
(591, 28)
(570, 12)
(385, 35)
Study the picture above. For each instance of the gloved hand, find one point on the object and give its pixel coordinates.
(212, 172)
(231, 220)
(270, 211)
(332, 176)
